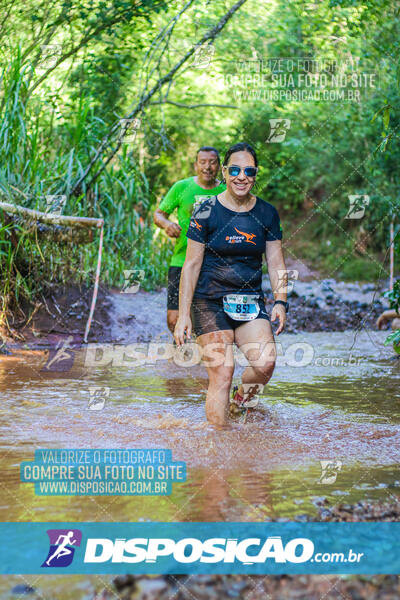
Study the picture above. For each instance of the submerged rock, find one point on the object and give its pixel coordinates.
(23, 589)
(365, 510)
(150, 589)
(123, 581)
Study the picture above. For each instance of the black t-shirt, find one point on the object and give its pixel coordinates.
(234, 245)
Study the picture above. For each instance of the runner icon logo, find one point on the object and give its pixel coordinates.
(98, 396)
(133, 279)
(62, 547)
(50, 54)
(60, 358)
(358, 204)
(279, 129)
(203, 209)
(199, 199)
(330, 470)
(203, 56)
(55, 204)
(286, 279)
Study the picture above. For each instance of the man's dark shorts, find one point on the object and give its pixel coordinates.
(208, 315)
(174, 277)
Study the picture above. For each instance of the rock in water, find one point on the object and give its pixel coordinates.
(151, 589)
(22, 588)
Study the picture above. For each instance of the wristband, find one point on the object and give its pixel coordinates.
(285, 304)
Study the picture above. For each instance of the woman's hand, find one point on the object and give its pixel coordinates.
(279, 312)
(183, 325)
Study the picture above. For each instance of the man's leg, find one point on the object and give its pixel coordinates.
(172, 317)
(174, 277)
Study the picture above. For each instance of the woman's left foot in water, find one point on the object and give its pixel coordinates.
(238, 404)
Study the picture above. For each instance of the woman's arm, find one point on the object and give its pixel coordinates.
(278, 276)
(189, 277)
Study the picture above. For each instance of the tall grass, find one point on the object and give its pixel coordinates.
(43, 149)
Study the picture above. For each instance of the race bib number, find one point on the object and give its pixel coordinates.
(241, 307)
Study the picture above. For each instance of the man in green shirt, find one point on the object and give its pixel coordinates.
(183, 196)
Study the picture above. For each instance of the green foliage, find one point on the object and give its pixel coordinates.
(394, 296)
(50, 124)
(53, 117)
(394, 338)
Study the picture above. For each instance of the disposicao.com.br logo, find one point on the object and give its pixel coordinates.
(162, 551)
(213, 550)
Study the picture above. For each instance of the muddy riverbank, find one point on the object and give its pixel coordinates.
(119, 317)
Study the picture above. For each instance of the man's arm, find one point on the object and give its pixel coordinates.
(168, 204)
(172, 229)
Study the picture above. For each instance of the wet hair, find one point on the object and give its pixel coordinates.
(240, 147)
(208, 149)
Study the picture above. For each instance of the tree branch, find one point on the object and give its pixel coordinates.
(180, 105)
(48, 218)
(114, 19)
(145, 99)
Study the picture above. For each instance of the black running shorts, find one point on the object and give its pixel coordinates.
(208, 315)
(174, 277)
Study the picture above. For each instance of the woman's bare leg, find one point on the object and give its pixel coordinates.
(256, 340)
(218, 358)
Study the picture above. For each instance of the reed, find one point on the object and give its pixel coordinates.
(42, 151)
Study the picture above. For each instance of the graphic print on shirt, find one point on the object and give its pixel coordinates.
(195, 224)
(238, 239)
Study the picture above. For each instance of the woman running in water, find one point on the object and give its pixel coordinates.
(220, 288)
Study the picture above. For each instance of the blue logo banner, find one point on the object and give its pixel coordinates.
(252, 548)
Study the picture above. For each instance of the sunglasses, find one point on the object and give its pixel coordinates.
(248, 171)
